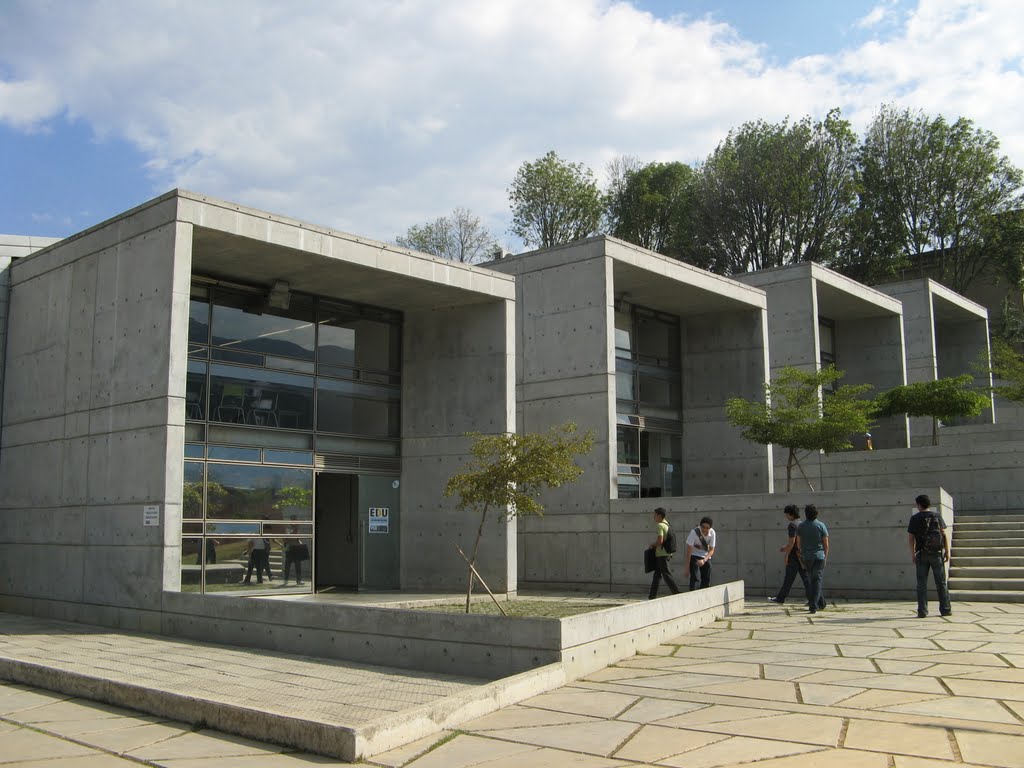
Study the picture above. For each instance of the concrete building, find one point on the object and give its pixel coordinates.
(643, 351)
(192, 378)
(817, 317)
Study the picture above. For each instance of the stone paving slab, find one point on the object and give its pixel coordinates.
(811, 707)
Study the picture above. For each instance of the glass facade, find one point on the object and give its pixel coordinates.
(271, 395)
(648, 392)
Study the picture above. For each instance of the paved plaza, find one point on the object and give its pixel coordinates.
(860, 684)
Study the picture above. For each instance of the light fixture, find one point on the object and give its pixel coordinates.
(279, 296)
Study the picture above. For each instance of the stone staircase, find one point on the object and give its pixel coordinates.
(987, 558)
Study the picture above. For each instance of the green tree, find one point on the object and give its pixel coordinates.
(293, 496)
(944, 399)
(929, 186)
(554, 202)
(775, 194)
(795, 415)
(508, 471)
(459, 237)
(1007, 367)
(652, 206)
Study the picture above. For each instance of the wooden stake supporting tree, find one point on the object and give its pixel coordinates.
(508, 472)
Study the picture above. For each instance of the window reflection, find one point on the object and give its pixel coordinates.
(195, 391)
(358, 342)
(243, 322)
(199, 321)
(261, 397)
(243, 492)
(361, 409)
(192, 492)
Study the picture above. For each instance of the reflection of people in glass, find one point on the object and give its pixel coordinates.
(259, 558)
(296, 550)
(207, 547)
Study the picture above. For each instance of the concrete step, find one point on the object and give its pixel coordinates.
(1010, 538)
(961, 561)
(985, 596)
(960, 526)
(989, 572)
(996, 542)
(981, 550)
(987, 584)
(993, 518)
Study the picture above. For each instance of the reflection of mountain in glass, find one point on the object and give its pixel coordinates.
(335, 355)
(267, 345)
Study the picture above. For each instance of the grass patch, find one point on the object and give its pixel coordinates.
(537, 609)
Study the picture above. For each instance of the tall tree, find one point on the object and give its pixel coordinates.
(941, 399)
(652, 206)
(928, 186)
(459, 237)
(775, 194)
(554, 202)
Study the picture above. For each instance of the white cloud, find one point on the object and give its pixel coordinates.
(374, 116)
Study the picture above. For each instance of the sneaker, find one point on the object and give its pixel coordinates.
(812, 610)
(776, 600)
(947, 613)
(922, 615)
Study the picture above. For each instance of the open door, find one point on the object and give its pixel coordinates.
(337, 531)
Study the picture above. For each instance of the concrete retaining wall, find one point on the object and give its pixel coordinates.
(867, 529)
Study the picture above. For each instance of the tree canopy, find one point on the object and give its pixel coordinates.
(652, 206)
(943, 399)
(554, 202)
(930, 186)
(459, 237)
(796, 415)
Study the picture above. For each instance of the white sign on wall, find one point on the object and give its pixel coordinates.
(379, 519)
(151, 514)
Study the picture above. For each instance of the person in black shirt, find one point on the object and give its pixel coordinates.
(791, 556)
(929, 553)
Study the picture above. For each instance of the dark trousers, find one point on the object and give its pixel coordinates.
(260, 560)
(704, 571)
(661, 572)
(932, 561)
(292, 557)
(793, 568)
(815, 578)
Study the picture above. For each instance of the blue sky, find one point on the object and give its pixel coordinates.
(373, 117)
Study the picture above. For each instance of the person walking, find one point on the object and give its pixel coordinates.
(929, 551)
(814, 548)
(791, 557)
(661, 555)
(700, 546)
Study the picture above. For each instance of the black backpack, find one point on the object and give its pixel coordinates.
(932, 540)
(668, 542)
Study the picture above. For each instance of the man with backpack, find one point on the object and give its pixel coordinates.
(664, 547)
(929, 550)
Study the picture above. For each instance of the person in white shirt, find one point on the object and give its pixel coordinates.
(700, 548)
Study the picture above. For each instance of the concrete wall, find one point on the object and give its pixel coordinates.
(725, 355)
(867, 531)
(87, 417)
(980, 477)
(12, 247)
(458, 376)
(870, 351)
(565, 372)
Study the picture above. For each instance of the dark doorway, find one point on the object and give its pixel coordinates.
(337, 531)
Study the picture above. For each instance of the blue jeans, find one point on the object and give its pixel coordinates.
(815, 574)
(932, 561)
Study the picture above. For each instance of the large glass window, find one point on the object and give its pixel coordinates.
(648, 382)
(266, 385)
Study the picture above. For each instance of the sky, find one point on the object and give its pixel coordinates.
(373, 117)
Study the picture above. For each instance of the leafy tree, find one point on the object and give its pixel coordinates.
(940, 399)
(508, 471)
(796, 416)
(1007, 365)
(928, 186)
(554, 202)
(775, 194)
(652, 206)
(459, 237)
(293, 496)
